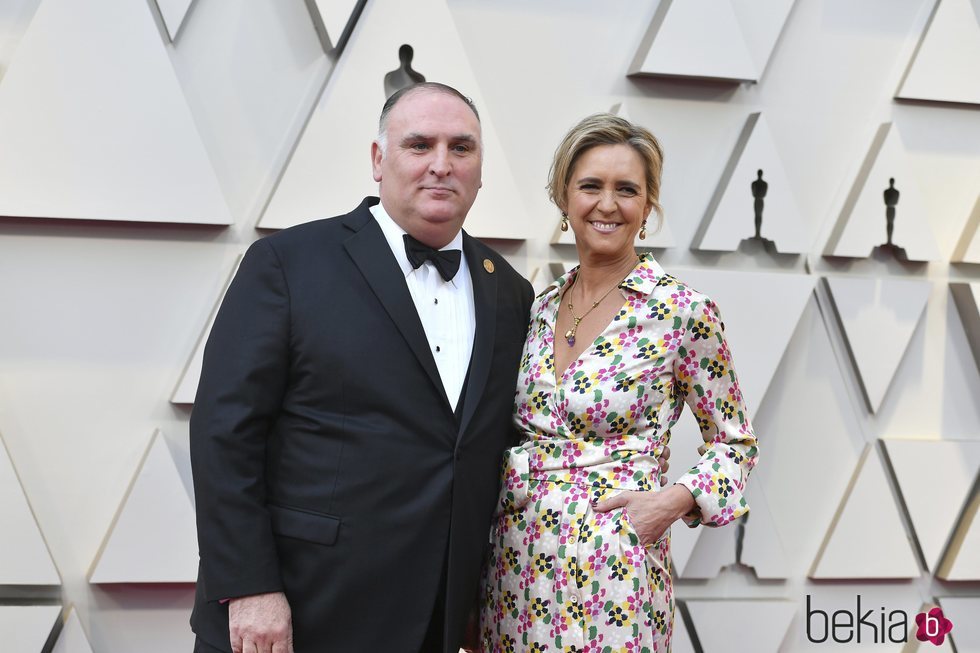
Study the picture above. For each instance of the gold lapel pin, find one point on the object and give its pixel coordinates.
(488, 265)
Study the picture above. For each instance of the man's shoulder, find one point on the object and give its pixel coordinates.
(316, 232)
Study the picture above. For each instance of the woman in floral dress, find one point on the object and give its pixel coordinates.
(580, 545)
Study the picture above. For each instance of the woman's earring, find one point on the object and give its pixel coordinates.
(564, 221)
(643, 230)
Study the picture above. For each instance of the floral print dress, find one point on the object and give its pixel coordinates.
(560, 576)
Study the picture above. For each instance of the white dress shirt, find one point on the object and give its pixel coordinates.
(445, 308)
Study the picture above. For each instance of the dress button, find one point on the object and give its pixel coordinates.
(574, 599)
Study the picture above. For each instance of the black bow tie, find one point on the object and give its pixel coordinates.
(445, 260)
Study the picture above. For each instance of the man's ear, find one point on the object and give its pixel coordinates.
(376, 157)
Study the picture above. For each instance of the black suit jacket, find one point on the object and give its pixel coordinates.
(327, 460)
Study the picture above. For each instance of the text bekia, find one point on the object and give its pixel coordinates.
(872, 626)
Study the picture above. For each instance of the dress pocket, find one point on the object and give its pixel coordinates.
(515, 472)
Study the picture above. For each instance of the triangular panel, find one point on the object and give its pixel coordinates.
(963, 611)
(330, 172)
(25, 559)
(762, 547)
(946, 67)
(762, 22)
(878, 317)
(863, 223)
(26, 628)
(186, 388)
(695, 38)
(962, 559)
(717, 622)
(153, 537)
(72, 638)
(730, 40)
(966, 296)
(701, 552)
(680, 641)
(15, 16)
(867, 538)
(173, 13)
(746, 301)
(935, 477)
(334, 19)
(73, 146)
(754, 175)
(968, 248)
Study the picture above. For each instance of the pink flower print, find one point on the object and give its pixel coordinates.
(726, 515)
(608, 373)
(597, 560)
(628, 338)
(636, 408)
(597, 412)
(704, 482)
(623, 473)
(681, 298)
(724, 353)
(671, 340)
(525, 414)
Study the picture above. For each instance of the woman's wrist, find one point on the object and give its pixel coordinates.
(681, 500)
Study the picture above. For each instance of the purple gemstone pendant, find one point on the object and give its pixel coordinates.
(570, 338)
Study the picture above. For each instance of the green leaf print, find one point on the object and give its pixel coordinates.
(598, 395)
(631, 323)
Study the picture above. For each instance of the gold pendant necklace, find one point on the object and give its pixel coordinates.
(570, 334)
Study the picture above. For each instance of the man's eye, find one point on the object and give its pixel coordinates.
(419, 146)
(461, 148)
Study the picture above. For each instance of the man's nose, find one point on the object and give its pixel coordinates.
(440, 165)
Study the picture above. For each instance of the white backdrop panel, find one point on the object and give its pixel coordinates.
(946, 67)
(73, 145)
(25, 559)
(319, 183)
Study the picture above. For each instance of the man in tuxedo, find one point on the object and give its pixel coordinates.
(354, 404)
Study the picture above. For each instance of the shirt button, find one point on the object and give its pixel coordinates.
(438, 348)
(436, 300)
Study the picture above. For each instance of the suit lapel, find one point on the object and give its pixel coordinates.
(485, 308)
(370, 251)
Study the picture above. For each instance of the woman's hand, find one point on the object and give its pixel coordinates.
(651, 513)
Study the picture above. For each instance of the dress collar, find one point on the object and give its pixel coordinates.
(642, 279)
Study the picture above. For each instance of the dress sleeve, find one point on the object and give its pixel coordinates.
(705, 378)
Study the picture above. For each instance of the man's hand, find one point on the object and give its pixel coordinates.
(651, 513)
(664, 462)
(261, 623)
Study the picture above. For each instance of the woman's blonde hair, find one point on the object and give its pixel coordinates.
(606, 129)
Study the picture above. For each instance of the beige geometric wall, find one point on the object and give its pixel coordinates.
(144, 145)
